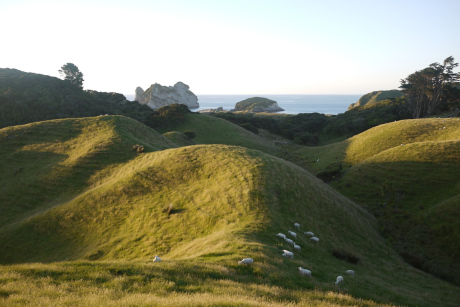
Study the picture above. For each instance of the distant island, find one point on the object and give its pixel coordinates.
(257, 104)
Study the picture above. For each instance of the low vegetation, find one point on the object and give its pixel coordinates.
(402, 172)
(108, 210)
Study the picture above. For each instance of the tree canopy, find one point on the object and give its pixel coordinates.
(71, 73)
(430, 87)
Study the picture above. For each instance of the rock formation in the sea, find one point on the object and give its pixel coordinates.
(375, 97)
(257, 104)
(157, 96)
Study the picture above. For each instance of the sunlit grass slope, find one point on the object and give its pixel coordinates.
(379, 139)
(46, 163)
(201, 208)
(418, 160)
(213, 130)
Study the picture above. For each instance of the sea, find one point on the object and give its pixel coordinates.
(292, 104)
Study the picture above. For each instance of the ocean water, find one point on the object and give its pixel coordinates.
(292, 104)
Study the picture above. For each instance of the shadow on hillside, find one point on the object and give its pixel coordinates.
(400, 194)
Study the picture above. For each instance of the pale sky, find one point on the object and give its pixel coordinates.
(231, 47)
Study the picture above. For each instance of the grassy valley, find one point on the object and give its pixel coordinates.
(87, 213)
(87, 201)
(404, 172)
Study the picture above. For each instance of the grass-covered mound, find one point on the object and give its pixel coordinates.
(201, 208)
(407, 173)
(213, 130)
(47, 163)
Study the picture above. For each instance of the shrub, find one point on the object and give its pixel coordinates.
(138, 148)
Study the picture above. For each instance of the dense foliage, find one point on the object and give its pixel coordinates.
(28, 97)
(428, 89)
(165, 118)
(71, 73)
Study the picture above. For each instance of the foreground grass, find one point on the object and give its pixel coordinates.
(168, 283)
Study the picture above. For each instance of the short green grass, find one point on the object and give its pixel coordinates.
(419, 159)
(213, 130)
(94, 243)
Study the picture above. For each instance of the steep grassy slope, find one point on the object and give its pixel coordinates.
(226, 203)
(407, 173)
(212, 130)
(46, 163)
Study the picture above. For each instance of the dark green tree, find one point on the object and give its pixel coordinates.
(71, 73)
(425, 90)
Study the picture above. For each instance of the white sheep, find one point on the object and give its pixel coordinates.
(246, 261)
(288, 254)
(339, 280)
(156, 259)
(297, 225)
(297, 247)
(292, 234)
(281, 235)
(289, 241)
(311, 234)
(304, 272)
(314, 239)
(351, 272)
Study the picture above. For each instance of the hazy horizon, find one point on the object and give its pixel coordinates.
(296, 47)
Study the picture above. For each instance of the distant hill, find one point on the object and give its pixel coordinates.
(376, 96)
(28, 97)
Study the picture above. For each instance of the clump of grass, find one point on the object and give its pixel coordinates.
(348, 256)
(138, 148)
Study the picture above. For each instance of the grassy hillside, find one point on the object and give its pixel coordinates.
(376, 96)
(201, 208)
(408, 174)
(213, 130)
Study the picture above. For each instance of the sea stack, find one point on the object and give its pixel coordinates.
(157, 96)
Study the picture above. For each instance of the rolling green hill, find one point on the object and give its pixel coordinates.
(93, 212)
(213, 130)
(406, 173)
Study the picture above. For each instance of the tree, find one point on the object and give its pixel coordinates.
(72, 74)
(426, 89)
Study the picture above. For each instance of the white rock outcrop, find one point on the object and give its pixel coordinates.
(157, 96)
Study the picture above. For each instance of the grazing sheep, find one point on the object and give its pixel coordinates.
(281, 235)
(297, 225)
(304, 272)
(297, 247)
(351, 272)
(288, 254)
(246, 261)
(292, 234)
(156, 259)
(339, 280)
(289, 241)
(311, 234)
(314, 239)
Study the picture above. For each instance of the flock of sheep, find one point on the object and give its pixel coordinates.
(297, 248)
(289, 254)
